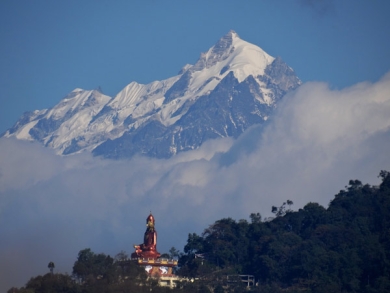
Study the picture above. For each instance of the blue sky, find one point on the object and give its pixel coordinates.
(51, 47)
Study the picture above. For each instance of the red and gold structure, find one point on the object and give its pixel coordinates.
(146, 254)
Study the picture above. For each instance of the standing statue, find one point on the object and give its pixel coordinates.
(148, 249)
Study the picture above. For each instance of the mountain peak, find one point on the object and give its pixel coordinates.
(232, 35)
(232, 86)
(231, 53)
(225, 42)
(219, 52)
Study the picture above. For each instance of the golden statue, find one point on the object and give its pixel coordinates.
(148, 248)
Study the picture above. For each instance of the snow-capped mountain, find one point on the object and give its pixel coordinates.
(232, 86)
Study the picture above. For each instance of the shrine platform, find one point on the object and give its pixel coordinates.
(155, 262)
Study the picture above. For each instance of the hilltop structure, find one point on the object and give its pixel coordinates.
(147, 256)
(148, 249)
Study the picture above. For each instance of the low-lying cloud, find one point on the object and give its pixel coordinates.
(51, 207)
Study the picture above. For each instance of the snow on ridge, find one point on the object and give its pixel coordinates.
(23, 133)
(238, 56)
(241, 57)
(230, 53)
(78, 125)
(247, 59)
(128, 95)
(185, 68)
(231, 49)
(74, 101)
(87, 117)
(134, 92)
(137, 100)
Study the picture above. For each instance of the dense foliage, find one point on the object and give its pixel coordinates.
(344, 248)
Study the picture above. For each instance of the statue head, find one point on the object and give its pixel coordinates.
(150, 218)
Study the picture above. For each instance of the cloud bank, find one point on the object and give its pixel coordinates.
(51, 207)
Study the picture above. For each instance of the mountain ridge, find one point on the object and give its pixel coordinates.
(232, 86)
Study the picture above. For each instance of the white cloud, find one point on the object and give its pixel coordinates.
(51, 207)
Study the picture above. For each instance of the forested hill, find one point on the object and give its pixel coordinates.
(342, 248)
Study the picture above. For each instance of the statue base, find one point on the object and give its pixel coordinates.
(156, 266)
(146, 254)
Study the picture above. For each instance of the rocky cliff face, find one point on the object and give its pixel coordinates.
(232, 86)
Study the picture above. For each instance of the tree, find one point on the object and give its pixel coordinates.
(354, 184)
(91, 266)
(195, 243)
(51, 266)
(255, 218)
(58, 283)
(174, 253)
(282, 210)
(385, 185)
(121, 256)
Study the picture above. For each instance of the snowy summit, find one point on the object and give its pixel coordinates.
(232, 86)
